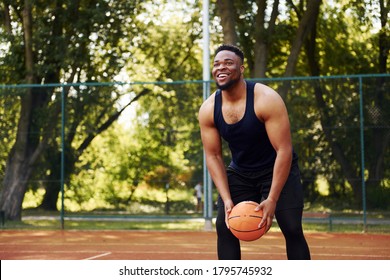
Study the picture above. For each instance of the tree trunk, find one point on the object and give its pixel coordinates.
(263, 37)
(20, 161)
(337, 151)
(14, 186)
(53, 185)
(52, 191)
(381, 135)
(7, 20)
(27, 145)
(28, 50)
(228, 22)
(305, 25)
(384, 40)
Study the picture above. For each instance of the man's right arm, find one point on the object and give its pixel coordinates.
(213, 151)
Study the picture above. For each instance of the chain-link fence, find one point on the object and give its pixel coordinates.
(135, 148)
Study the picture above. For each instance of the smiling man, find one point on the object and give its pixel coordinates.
(252, 118)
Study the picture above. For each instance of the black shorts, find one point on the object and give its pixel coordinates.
(255, 186)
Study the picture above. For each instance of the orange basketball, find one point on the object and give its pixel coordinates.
(244, 221)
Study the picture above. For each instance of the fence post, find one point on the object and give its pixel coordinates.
(208, 199)
(362, 154)
(330, 220)
(62, 154)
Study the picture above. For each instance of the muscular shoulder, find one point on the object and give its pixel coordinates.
(206, 111)
(267, 101)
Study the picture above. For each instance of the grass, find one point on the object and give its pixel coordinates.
(346, 228)
(111, 220)
(178, 225)
(105, 225)
(150, 205)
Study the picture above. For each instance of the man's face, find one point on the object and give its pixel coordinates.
(227, 69)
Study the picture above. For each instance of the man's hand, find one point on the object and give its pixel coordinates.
(268, 206)
(228, 208)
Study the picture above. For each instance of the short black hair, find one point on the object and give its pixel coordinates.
(232, 48)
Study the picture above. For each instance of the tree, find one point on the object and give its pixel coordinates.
(256, 39)
(307, 22)
(170, 49)
(106, 36)
(162, 143)
(85, 42)
(26, 149)
(377, 137)
(73, 41)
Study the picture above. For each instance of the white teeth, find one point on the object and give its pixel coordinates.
(222, 75)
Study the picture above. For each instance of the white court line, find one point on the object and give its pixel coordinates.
(362, 256)
(98, 256)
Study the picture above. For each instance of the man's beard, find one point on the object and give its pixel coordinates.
(228, 84)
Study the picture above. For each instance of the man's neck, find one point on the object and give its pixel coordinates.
(235, 92)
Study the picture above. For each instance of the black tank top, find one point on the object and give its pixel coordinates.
(248, 140)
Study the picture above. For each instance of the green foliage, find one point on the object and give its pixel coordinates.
(345, 45)
(114, 171)
(378, 197)
(107, 163)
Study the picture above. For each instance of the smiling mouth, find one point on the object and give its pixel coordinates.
(221, 76)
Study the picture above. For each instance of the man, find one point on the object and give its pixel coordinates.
(198, 192)
(253, 119)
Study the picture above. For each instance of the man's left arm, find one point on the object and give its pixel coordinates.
(275, 117)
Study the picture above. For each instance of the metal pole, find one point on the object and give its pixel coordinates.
(208, 199)
(62, 155)
(362, 155)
